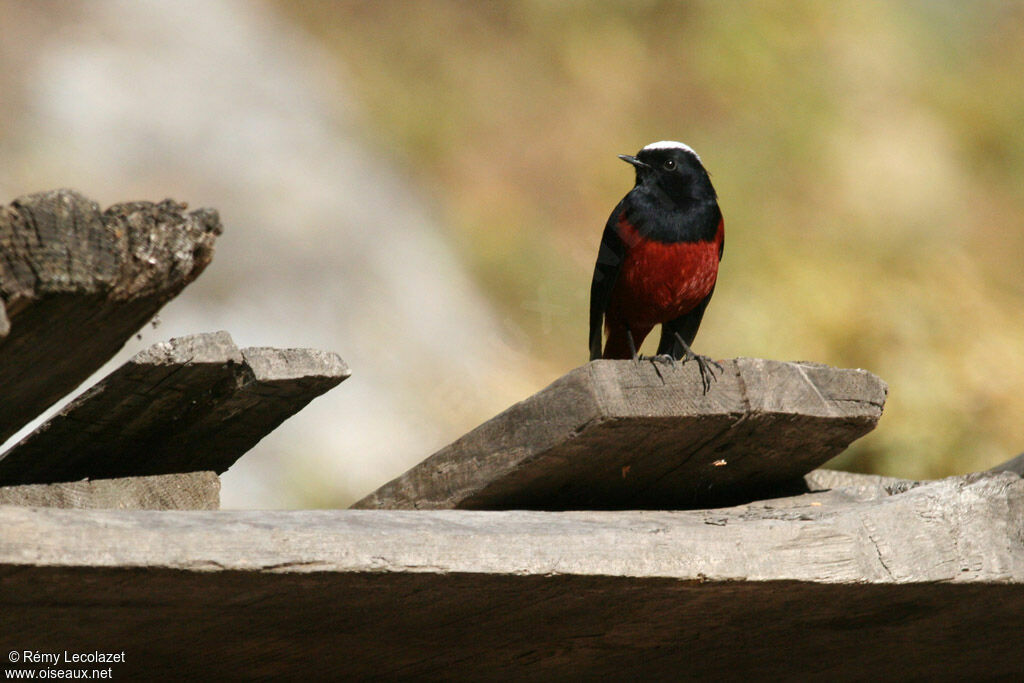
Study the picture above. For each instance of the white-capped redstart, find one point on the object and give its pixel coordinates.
(658, 260)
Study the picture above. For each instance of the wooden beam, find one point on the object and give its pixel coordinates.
(76, 283)
(928, 584)
(619, 435)
(190, 404)
(189, 491)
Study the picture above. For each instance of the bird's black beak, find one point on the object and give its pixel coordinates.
(633, 160)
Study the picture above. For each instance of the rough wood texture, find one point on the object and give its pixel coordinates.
(190, 404)
(615, 435)
(76, 283)
(925, 584)
(189, 491)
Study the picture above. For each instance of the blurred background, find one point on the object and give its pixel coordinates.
(422, 187)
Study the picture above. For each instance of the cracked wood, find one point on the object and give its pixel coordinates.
(616, 435)
(76, 283)
(190, 404)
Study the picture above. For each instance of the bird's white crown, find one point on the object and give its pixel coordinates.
(671, 144)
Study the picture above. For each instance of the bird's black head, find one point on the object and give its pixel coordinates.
(673, 170)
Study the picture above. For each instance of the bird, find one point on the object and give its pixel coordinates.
(658, 260)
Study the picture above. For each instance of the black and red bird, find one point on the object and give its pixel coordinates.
(658, 261)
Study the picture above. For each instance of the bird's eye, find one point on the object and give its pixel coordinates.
(670, 164)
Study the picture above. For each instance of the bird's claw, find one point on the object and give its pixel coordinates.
(705, 365)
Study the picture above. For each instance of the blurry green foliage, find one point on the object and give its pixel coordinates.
(869, 159)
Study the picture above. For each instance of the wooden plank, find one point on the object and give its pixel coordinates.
(865, 486)
(190, 404)
(617, 435)
(76, 283)
(1015, 465)
(188, 491)
(925, 584)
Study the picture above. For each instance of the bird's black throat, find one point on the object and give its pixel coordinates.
(656, 217)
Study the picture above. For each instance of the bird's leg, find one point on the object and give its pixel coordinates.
(632, 346)
(704, 364)
(659, 358)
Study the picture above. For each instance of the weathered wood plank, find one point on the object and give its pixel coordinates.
(188, 491)
(190, 404)
(961, 529)
(926, 584)
(616, 435)
(76, 283)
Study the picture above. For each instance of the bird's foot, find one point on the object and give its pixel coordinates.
(654, 360)
(704, 364)
(707, 369)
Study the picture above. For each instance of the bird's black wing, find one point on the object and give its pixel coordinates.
(606, 271)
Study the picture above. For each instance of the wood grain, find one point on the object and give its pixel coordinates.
(188, 491)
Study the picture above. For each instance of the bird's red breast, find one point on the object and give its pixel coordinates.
(660, 281)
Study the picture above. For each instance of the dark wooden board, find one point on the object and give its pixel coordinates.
(76, 283)
(187, 491)
(619, 435)
(190, 404)
(927, 584)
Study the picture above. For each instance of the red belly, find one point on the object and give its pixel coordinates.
(659, 282)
